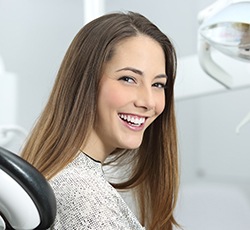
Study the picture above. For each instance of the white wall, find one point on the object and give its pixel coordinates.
(209, 145)
(34, 36)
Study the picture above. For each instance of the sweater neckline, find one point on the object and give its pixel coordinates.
(91, 158)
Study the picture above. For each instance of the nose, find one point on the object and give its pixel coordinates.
(145, 98)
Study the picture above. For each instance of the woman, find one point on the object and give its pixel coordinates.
(112, 101)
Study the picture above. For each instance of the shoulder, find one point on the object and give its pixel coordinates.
(77, 181)
(85, 200)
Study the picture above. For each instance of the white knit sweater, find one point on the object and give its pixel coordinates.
(85, 199)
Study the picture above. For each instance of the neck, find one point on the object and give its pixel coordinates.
(96, 149)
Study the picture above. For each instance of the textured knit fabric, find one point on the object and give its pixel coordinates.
(85, 199)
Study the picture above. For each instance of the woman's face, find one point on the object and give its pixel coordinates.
(131, 94)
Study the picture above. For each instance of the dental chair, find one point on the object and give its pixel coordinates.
(26, 199)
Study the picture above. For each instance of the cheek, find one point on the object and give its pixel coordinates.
(160, 104)
(112, 97)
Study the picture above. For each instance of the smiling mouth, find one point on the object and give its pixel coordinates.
(133, 120)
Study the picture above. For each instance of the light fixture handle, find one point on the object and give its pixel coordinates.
(209, 65)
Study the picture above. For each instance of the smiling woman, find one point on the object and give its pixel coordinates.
(112, 101)
(128, 93)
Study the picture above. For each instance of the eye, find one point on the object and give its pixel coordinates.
(127, 79)
(160, 85)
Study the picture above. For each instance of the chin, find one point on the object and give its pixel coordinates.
(132, 145)
(129, 142)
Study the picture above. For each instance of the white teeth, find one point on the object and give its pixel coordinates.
(131, 119)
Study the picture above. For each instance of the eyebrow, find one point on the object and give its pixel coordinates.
(139, 72)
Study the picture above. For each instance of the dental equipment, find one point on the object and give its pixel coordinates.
(27, 200)
(225, 27)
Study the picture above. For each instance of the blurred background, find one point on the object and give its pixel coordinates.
(214, 159)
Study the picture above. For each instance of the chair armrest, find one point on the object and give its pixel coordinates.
(24, 192)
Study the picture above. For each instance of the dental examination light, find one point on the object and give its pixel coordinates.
(224, 27)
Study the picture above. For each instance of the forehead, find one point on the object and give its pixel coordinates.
(138, 51)
(136, 43)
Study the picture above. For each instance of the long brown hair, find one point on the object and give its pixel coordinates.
(70, 113)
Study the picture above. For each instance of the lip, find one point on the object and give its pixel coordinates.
(130, 125)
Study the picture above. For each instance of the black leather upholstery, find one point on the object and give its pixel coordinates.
(34, 183)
